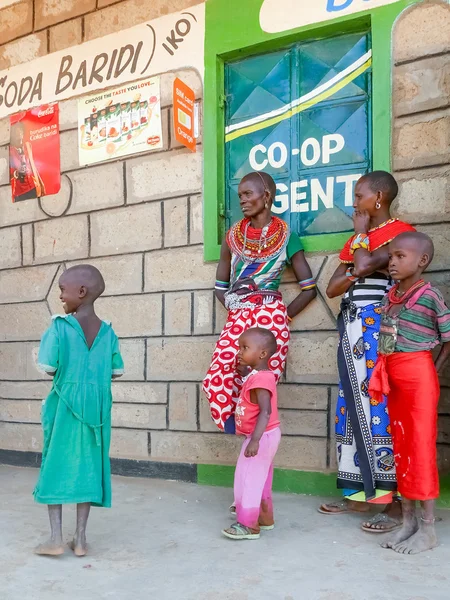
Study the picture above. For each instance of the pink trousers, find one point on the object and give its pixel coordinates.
(253, 482)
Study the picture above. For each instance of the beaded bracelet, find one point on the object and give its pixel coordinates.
(349, 274)
(307, 284)
(360, 241)
(222, 286)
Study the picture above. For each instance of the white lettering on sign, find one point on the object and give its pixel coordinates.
(311, 152)
(281, 15)
(172, 42)
(309, 195)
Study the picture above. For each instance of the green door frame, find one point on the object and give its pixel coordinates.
(233, 32)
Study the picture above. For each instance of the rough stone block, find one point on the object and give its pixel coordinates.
(177, 313)
(25, 211)
(302, 453)
(314, 317)
(331, 264)
(129, 229)
(66, 35)
(440, 235)
(421, 140)
(303, 397)
(4, 165)
(23, 50)
(178, 359)
(195, 447)
(175, 222)
(132, 316)
(206, 422)
(27, 244)
(196, 220)
(442, 282)
(21, 437)
(103, 3)
(303, 422)
(424, 197)
(36, 390)
(4, 131)
(190, 78)
(129, 443)
(23, 321)
(18, 361)
(139, 416)
(203, 312)
(10, 254)
(443, 459)
(183, 406)
(220, 317)
(133, 354)
(26, 284)
(180, 268)
(312, 358)
(57, 205)
(122, 274)
(69, 159)
(423, 85)
(61, 239)
(68, 114)
(421, 31)
(152, 177)
(49, 12)
(22, 411)
(97, 187)
(127, 14)
(137, 393)
(444, 430)
(53, 297)
(16, 20)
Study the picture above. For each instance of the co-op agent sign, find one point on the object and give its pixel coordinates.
(172, 42)
(312, 153)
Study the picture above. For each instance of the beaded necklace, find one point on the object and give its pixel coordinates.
(258, 245)
(395, 298)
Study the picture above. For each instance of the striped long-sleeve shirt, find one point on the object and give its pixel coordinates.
(424, 325)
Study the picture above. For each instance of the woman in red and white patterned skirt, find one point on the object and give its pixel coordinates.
(254, 254)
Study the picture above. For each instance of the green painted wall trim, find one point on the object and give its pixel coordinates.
(311, 483)
(228, 37)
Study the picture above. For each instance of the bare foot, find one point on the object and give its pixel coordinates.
(50, 548)
(409, 528)
(78, 546)
(424, 539)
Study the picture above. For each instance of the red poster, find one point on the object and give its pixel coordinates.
(34, 153)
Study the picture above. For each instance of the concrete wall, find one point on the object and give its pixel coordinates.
(140, 221)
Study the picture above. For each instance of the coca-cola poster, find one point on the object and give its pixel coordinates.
(34, 153)
(120, 121)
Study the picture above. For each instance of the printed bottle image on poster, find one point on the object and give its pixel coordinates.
(34, 153)
(120, 122)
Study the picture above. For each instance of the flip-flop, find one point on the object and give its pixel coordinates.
(342, 505)
(392, 523)
(240, 532)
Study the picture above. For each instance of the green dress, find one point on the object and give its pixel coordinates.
(76, 415)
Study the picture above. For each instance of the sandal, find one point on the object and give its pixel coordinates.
(390, 523)
(342, 507)
(267, 527)
(240, 532)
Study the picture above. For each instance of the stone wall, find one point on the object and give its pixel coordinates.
(140, 221)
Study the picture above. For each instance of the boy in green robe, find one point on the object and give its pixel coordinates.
(81, 353)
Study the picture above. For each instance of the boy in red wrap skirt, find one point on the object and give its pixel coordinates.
(415, 319)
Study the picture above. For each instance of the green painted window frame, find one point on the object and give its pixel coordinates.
(243, 38)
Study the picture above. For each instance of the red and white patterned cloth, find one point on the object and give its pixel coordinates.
(222, 384)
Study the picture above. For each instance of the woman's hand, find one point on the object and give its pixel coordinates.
(361, 221)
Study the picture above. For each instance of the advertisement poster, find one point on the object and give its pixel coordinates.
(120, 122)
(184, 114)
(34, 153)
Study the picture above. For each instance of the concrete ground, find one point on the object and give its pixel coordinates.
(161, 540)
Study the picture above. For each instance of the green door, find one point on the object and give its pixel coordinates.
(303, 115)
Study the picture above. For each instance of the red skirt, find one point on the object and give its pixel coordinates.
(413, 398)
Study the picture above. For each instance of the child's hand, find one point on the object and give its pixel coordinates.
(252, 449)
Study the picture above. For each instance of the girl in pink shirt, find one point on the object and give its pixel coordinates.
(257, 419)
